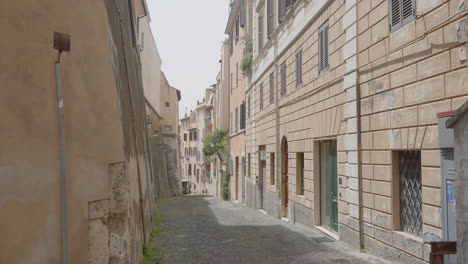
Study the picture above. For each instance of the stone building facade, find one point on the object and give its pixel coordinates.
(341, 132)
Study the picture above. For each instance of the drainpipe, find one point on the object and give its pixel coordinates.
(62, 43)
(277, 128)
(359, 143)
(63, 186)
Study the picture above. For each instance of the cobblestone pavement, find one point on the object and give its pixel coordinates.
(201, 229)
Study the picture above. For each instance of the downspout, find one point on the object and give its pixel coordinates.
(63, 184)
(359, 143)
(277, 128)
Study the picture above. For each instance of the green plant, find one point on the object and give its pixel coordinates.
(247, 59)
(216, 144)
(226, 186)
(151, 254)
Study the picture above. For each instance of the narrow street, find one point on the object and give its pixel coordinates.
(202, 229)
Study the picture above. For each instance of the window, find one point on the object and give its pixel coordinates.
(237, 119)
(299, 68)
(281, 10)
(243, 14)
(401, 13)
(231, 86)
(231, 44)
(300, 173)
(185, 136)
(190, 169)
(410, 189)
(242, 115)
(270, 21)
(283, 79)
(272, 88)
(168, 104)
(260, 33)
(195, 135)
(190, 138)
(272, 168)
(323, 49)
(261, 96)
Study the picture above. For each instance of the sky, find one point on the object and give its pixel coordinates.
(189, 36)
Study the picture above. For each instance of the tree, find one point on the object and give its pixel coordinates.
(216, 144)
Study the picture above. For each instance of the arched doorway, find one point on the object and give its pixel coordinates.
(284, 178)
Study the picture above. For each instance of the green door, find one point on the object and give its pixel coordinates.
(329, 185)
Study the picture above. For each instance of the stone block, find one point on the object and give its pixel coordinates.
(382, 172)
(381, 157)
(430, 158)
(431, 234)
(349, 236)
(382, 219)
(434, 65)
(379, 85)
(354, 210)
(405, 117)
(403, 35)
(378, 13)
(366, 106)
(431, 196)
(383, 235)
(98, 209)
(350, 110)
(388, 100)
(381, 140)
(404, 76)
(431, 138)
(366, 186)
(350, 142)
(425, 91)
(353, 184)
(456, 82)
(430, 177)
(381, 188)
(408, 244)
(427, 113)
(383, 204)
(380, 30)
(350, 49)
(352, 196)
(366, 156)
(369, 229)
(367, 172)
(380, 121)
(423, 6)
(367, 215)
(389, 253)
(98, 242)
(350, 17)
(432, 215)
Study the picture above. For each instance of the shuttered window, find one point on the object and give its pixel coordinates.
(261, 96)
(323, 49)
(299, 68)
(401, 13)
(270, 15)
(272, 88)
(260, 33)
(237, 119)
(242, 115)
(283, 79)
(243, 14)
(237, 31)
(281, 10)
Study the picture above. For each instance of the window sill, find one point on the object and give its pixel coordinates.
(410, 236)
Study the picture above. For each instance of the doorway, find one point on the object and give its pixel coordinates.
(284, 178)
(328, 185)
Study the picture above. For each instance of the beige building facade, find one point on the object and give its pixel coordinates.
(342, 130)
(84, 196)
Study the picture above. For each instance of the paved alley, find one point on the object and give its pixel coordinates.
(201, 229)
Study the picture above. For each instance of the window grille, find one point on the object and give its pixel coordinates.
(323, 49)
(410, 192)
(283, 79)
(299, 68)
